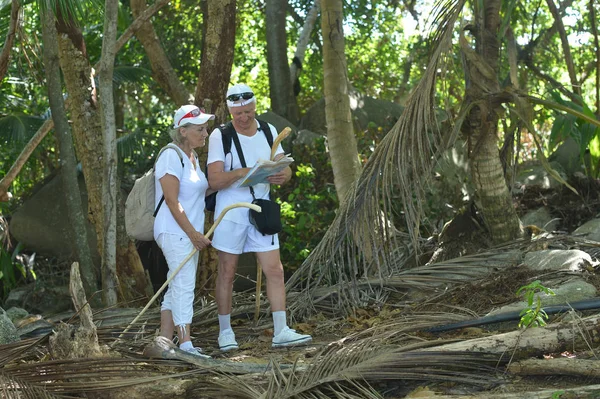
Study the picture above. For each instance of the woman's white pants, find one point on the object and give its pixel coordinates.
(179, 298)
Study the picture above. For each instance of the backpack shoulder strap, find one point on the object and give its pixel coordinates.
(264, 126)
(227, 133)
(174, 147)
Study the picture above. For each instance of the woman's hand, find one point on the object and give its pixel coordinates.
(199, 240)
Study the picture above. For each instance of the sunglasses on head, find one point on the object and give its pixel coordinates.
(245, 96)
(192, 114)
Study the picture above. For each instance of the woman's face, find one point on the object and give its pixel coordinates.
(195, 135)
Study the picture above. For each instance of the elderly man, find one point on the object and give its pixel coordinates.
(235, 234)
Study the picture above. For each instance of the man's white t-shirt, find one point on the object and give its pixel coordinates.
(192, 190)
(254, 148)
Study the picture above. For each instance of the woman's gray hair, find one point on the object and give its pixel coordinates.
(176, 134)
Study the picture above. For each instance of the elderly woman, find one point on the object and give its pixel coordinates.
(179, 226)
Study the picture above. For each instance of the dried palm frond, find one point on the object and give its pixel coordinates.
(361, 238)
(15, 388)
(74, 376)
(368, 360)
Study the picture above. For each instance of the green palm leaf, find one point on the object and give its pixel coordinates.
(130, 74)
(19, 128)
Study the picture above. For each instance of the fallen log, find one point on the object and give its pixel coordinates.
(587, 392)
(560, 366)
(532, 342)
(163, 348)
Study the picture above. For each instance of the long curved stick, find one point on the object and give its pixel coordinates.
(166, 283)
(280, 137)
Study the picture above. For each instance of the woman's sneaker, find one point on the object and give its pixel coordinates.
(196, 352)
(289, 337)
(227, 341)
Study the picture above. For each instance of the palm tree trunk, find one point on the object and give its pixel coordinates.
(283, 101)
(340, 133)
(493, 196)
(68, 161)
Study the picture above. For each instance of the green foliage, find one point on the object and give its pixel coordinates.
(307, 212)
(11, 272)
(533, 315)
(585, 134)
(308, 204)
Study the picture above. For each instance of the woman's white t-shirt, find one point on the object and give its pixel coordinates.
(192, 190)
(254, 148)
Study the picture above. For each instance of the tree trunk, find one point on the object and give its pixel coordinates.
(10, 37)
(109, 183)
(88, 141)
(559, 366)
(309, 25)
(283, 101)
(340, 134)
(68, 162)
(493, 196)
(161, 66)
(218, 46)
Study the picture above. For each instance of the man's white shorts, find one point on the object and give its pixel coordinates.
(179, 298)
(235, 238)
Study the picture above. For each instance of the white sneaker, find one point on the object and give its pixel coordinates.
(196, 352)
(289, 337)
(227, 341)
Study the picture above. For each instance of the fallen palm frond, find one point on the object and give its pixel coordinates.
(75, 376)
(369, 359)
(400, 165)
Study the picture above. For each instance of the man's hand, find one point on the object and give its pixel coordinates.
(282, 177)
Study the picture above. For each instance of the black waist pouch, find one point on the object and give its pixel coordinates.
(267, 222)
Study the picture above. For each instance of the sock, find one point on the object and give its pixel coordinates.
(187, 345)
(224, 322)
(279, 321)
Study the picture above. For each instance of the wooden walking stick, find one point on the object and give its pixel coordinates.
(281, 136)
(166, 283)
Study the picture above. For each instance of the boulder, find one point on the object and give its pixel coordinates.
(280, 123)
(572, 291)
(589, 230)
(568, 156)
(15, 313)
(541, 218)
(556, 259)
(42, 225)
(8, 331)
(364, 110)
(534, 174)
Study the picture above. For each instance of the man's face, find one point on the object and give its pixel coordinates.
(243, 117)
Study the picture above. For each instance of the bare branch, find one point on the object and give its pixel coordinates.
(10, 38)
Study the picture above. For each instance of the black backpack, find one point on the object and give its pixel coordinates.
(227, 131)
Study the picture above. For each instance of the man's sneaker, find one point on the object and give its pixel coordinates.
(289, 337)
(196, 352)
(227, 341)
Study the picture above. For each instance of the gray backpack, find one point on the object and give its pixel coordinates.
(139, 206)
